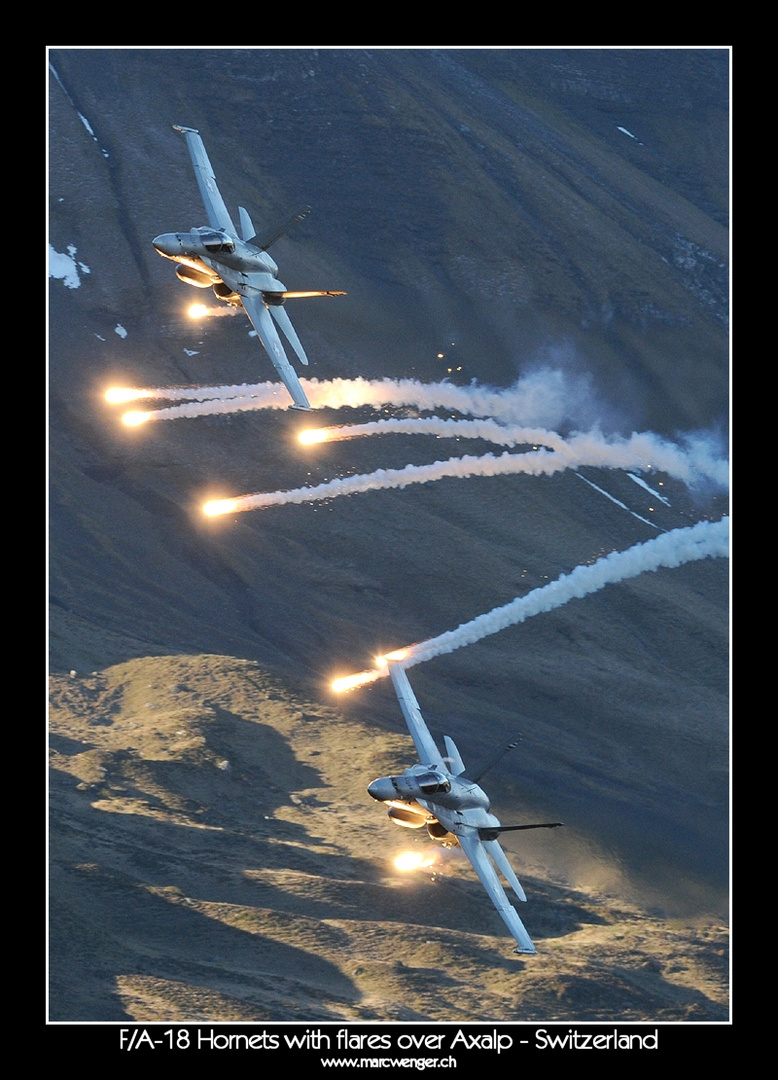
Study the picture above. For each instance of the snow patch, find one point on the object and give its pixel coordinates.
(613, 499)
(64, 267)
(649, 489)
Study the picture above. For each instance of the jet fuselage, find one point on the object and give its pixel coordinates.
(220, 257)
(434, 796)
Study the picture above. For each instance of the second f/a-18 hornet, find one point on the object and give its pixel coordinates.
(238, 268)
(440, 794)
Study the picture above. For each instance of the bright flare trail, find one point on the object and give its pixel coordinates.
(201, 400)
(202, 311)
(546, 398)
(488, 430)
(350, 682)
(522, 413)
(671, 549)
(638, 452)
(517, 415)
(120, 395)
(135, 418)
(320, 435)
(412, 860)
(219, 506)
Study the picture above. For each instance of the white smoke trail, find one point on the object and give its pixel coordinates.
(672, 549)
(546, 398)
(638, 452)
(488, 430)
(254, 396)
(267, 396)
(513, 416)
(698, 460)
(539, 398)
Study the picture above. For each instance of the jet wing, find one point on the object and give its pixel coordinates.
(422, 740)
(218, 215)
(268, 335)
(476, 851)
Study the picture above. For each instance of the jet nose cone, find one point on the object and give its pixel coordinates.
(382, 790)
(167, 244)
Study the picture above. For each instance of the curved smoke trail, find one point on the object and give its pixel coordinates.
(509, 417)
(694, 459)
(672, 549)
(640, 452)
(520, 413)
(543, 397)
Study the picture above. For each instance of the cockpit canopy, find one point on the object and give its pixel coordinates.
(432, 783)
(215, 241)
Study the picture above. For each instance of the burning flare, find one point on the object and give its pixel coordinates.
(134, 419)
(398, 654)
(117, 395)
(198, 311)
(313, 435)
(220, 506)
(351, 682)
(412, 860)
(706, 539)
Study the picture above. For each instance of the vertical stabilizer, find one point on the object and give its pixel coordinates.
(456, 765)
(247, 230)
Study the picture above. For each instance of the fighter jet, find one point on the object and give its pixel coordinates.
(440, 794)
(238, 268)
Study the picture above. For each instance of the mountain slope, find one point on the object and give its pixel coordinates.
(549, 215)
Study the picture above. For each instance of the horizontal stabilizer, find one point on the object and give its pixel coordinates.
(492, 834)
(476, 852)
(309, 292)
(268, 335)
(500, 860)
(484, 766)
(283, 320)
(269, 236)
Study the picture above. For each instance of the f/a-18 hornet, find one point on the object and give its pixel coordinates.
(238, 268)
(440, 794)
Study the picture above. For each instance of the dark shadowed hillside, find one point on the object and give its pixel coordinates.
(547, 218)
